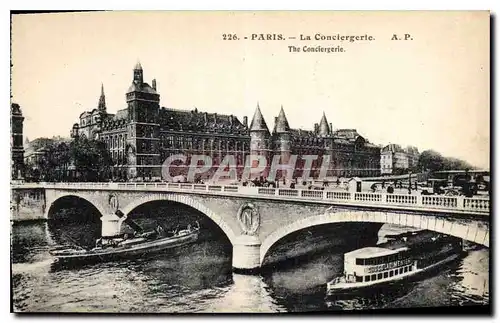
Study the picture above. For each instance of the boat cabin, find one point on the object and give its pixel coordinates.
(374, 263)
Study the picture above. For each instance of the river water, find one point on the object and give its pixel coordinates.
(199, 278)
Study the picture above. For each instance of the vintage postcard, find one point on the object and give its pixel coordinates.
(250, 161)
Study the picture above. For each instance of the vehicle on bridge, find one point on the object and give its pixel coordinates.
(144, 243)
(460, 186)
(403, 256)
(466, 182)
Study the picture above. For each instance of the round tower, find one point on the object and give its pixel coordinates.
(260, 139)
(283, 139)
(328, 161)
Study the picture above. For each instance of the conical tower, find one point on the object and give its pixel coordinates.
(258, 123)
(260, 138)
(327, 160)
(324, 128)
(282, 140)
(282, 123)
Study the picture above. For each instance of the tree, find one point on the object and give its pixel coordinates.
(52, 165)
(434, 161)
(91, 159)
(455, 163)
(430, 160)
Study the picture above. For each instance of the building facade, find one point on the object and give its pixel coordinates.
(16, 143)
(395, 159)
(143, 135)
(37, 149)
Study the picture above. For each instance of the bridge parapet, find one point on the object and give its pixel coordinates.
(433, 203)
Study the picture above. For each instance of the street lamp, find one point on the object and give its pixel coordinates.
(409, 182)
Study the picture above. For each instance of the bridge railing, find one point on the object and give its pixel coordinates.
(429, 202)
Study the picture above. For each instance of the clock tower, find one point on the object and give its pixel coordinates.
(143, 130)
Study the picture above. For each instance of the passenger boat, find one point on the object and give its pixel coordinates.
(402, 257)
(146, 243)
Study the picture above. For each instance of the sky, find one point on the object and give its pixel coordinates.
(431, 92)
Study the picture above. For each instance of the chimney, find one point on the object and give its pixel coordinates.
(205, 117)
(316, 128)
(331, 127)
(231, 120)
(154, 84)
(215, 117)
(245, 121)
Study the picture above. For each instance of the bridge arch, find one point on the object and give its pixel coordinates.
(186, 200)
(100, 208)
(450, 227)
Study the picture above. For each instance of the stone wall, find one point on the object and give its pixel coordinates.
(26, 205)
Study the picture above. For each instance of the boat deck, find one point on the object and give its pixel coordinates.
(420, 238)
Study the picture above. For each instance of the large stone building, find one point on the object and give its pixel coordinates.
(394, 159)
(141, 136)
(16, 143)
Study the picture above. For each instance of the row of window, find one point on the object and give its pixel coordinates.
(381, 260)
(386, 274)
(115, 142)
(201, 144)
(119, 142)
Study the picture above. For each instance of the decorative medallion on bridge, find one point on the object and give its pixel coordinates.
(249, 218)
(113, 201)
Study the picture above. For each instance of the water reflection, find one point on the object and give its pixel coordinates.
(199, 278)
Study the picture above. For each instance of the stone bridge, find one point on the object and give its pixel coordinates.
(255, 218)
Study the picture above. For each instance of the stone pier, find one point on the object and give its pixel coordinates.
(111, 226)
(246, 254)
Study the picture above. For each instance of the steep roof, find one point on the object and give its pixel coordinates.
(324, 128)
(258, 123)
(144, 87)
(299, 133)
(282, 123)
(185, 120)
